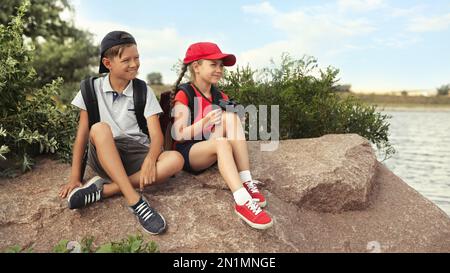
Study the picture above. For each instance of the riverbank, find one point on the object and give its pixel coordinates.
(411, 108)
(408, 102)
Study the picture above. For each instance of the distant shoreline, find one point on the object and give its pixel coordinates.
(382, 102)
(414, 108)
(433, 103)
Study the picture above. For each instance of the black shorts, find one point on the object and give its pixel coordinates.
(184, 149)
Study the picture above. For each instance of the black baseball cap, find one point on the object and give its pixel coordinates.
(112, 39)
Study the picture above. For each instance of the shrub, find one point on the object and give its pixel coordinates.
(32, 122)
(132, 244)
(309, 107)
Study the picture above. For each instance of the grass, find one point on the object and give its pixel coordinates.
(132, 244)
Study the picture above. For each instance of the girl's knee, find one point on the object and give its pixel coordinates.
(222, 145)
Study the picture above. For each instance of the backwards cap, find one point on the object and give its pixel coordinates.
(112, 39)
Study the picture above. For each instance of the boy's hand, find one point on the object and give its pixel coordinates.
(148, 173)
(68, 188)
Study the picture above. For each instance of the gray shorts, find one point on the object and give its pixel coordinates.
(132, 153)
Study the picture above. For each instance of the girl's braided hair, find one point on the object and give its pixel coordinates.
(174, 90)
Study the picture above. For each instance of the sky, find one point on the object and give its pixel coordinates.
(378, 45)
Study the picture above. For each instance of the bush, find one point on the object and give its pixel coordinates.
(443, 90)
(32, 122)
(309, 107)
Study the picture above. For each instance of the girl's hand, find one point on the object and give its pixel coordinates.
(148, 173)
(68, 188)
(213, 118)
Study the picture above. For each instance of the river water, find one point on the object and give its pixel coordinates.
(421, 138)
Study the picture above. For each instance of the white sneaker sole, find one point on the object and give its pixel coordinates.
(254, 225)
(90, 182)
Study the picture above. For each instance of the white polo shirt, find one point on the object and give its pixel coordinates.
(117, 109)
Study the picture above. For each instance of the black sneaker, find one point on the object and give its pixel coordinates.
(150, 219)
(89, 193)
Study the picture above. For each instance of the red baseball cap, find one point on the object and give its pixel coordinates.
(208, 51)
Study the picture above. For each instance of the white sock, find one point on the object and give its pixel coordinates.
(241, 196)
(245, 176)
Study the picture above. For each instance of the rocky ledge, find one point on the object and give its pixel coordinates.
(328, 194)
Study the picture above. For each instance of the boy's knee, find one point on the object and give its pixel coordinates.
(174, 159)
(100, 129)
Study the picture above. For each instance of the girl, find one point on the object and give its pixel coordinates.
(226, 144)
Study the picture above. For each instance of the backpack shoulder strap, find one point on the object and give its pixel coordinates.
(90, 100)
(190, 93)
(216, 95)
(140, 99)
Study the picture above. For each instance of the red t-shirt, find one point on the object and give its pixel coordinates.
(205, 108)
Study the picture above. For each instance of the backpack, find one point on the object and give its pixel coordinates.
(165, 118)
(91, 102)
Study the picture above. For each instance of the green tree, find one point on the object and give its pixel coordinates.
(61, 50)
(72, 60)
(42, 19)
(31, 121)
(154, 78)
(443, 90)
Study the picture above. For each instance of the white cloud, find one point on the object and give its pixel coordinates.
(261, 57)
(264, 8)
(317, 31)
(320, 26)
(399, 41)
(427, 24)
(360, 5)
(406, 12)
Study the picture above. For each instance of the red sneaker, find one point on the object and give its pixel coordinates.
(253, 215)
(251, 187)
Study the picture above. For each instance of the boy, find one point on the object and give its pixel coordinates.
(118, 150)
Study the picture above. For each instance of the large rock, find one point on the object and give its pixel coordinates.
(305, 180)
